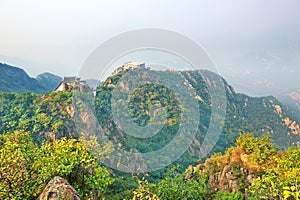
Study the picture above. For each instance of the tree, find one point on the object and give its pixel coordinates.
(25, 168)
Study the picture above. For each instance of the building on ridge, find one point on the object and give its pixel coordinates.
(129, 66)
(71, 82)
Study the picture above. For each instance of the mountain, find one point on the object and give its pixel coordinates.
(259, 115)
(291, 99)
(263, 73)
(14, 79)
(247, 169)
(48, 80)
(52, 115)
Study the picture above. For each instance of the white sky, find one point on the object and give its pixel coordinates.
(58, 36)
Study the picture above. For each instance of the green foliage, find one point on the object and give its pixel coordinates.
(70, 159)
(260, 148)
(259, 116)
(180, 188)
(143, 191)
(260, 171)
(45, 116)
(244, 114)
(142, 101)
(291, 192)
(13, 79)
(229, 196)
(173, 186)
(26, 168)
(17, 153)
(280, 179)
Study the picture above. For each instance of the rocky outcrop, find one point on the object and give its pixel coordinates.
(59, 189)
(230, 172)
(70, 110)
(231, 177)
(292, 125)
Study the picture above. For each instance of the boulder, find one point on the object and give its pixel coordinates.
(59, 189)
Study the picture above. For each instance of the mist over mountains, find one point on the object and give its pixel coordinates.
(14, 79)
(261, 73)
(255, 74)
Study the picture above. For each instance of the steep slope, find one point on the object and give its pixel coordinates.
(264, 115)
(14, 79)
(46, 116)
(48, 81)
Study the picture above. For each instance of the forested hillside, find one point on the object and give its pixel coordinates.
(252, 169)
(264, 115)
(46, 117)
(39, 140)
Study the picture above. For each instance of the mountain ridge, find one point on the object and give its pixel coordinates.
(15, 79)
(246, 118)
(260, 115)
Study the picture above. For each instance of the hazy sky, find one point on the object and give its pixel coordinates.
(57, 36)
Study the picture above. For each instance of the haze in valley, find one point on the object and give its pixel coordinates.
(254, 44)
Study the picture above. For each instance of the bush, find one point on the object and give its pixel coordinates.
(229, 196)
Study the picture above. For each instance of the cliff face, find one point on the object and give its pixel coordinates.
(231, 175)
(232, 172)
(253, 168)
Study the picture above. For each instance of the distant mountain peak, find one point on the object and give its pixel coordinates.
(14, 79)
